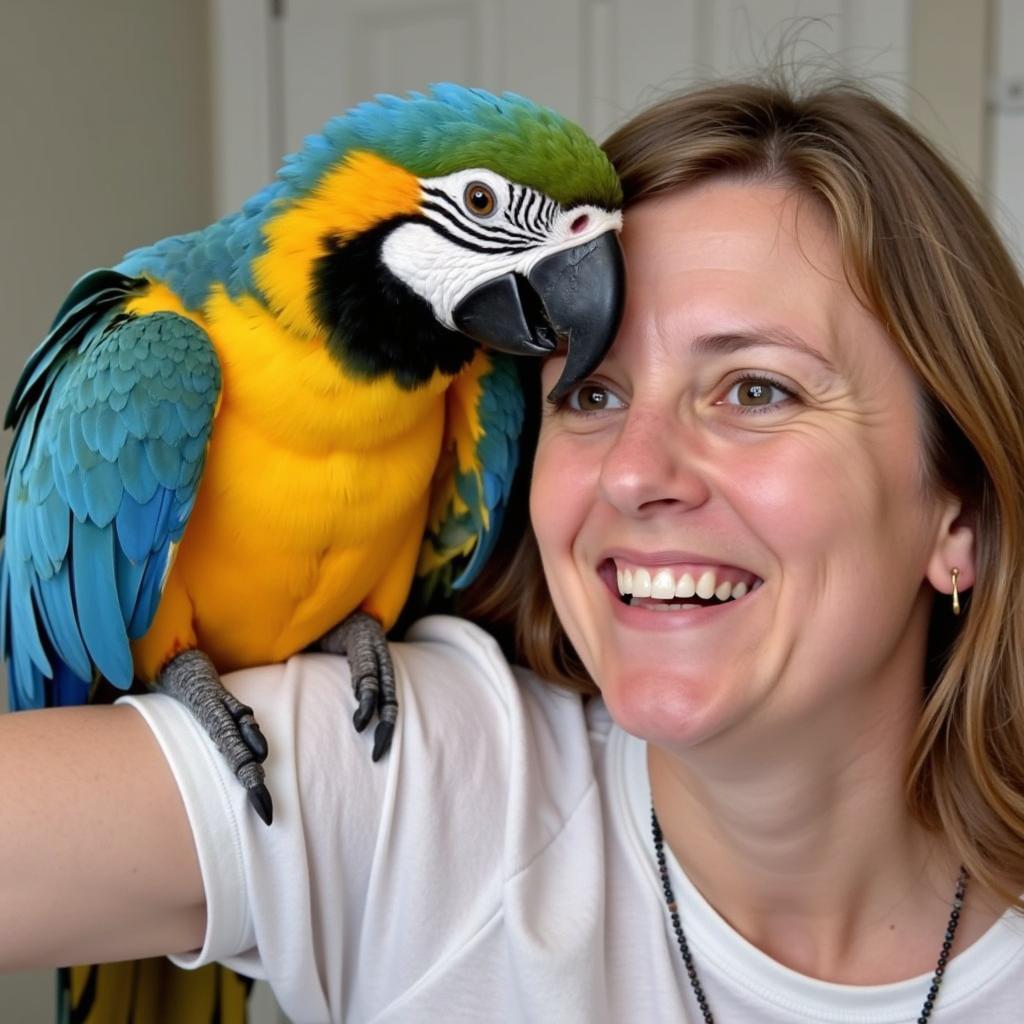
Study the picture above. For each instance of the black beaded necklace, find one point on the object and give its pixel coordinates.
(691, 967)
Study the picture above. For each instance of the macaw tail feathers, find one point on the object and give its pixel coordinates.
(151, 991)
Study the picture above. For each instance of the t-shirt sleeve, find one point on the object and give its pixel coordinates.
(371, 874)
(259, 882)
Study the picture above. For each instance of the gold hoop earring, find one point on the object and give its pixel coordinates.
(956, 596)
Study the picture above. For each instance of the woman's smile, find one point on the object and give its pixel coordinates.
(661, 583)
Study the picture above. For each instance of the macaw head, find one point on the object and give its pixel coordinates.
(414, 229)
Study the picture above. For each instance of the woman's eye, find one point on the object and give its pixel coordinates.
(756, 393)
(593, 398)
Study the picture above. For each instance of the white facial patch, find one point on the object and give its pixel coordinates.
(458, 247)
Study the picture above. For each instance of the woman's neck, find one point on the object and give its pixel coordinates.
(804, 843)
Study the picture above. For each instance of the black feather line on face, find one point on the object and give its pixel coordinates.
(376, 326)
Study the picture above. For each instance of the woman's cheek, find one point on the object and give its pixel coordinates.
(558, 495)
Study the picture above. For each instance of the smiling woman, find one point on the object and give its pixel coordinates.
(750, 520)
(773, 536)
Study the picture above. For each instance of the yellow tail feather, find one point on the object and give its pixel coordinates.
(151, 992)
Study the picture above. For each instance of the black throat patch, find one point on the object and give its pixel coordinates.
(376, 325)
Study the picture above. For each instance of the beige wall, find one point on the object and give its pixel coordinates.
(105, 115)
(106, 146)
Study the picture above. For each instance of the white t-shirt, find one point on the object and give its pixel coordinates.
(496, 866)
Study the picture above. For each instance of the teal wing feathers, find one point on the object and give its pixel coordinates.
(474, 478)
(112, 417)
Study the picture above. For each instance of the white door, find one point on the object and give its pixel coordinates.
(596, 61)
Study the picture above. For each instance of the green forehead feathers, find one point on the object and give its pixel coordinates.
(453, 128)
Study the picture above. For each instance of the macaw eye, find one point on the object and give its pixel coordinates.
(479, 199)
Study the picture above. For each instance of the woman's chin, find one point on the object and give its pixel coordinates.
(666, 708)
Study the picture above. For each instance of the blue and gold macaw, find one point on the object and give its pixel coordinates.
(243, 441)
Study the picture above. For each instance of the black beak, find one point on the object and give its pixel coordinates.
(573, 298)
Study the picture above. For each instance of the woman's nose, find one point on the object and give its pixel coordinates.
(653, 464)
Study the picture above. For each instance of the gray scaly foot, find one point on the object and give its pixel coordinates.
(361, 638)
(191, 678)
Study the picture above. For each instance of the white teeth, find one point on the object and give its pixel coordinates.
(660, 585)
(641, 583)
(706, 585)
(663, 585)
(686, 587)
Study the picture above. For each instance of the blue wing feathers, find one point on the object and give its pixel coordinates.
(103, 490)
(483, 491)
(163, 460)
(111, 433)
(501, 411)
(54, 529)
(68, 688)
(103, 629)
(26, 682)
(5, 604)
(72, 490)
(494, 490)
(56, 604)
(138, 524)
(42, 564)
(89, 297)
(29, 429)
(26, 632)
(112, 416)
(63, 448)
(481, 552)
(129, 580)
(149, 593)
(133, 466)
(40, 482)
(85, 457)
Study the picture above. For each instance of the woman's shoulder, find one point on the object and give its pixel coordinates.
(456, 661)
(525, 739)
(490, 735)
(489, 768)
(454, 685)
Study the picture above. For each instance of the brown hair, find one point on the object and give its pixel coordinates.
(925, 259)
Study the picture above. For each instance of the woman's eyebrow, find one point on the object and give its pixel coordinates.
(732, 341)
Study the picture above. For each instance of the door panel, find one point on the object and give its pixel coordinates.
(594, 60)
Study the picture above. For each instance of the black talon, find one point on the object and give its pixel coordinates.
(259, 797)
(361, 639)
(253, 736)
(250, 730)
(382, 736)
(254, 740)
(366, 694)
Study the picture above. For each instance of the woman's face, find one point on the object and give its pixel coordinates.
(755, 433)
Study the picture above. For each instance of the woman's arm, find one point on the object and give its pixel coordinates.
(97, 861)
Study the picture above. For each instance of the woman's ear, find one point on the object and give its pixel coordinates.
(954, 548)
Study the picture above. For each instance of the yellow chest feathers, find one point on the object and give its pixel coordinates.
(300, 446)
